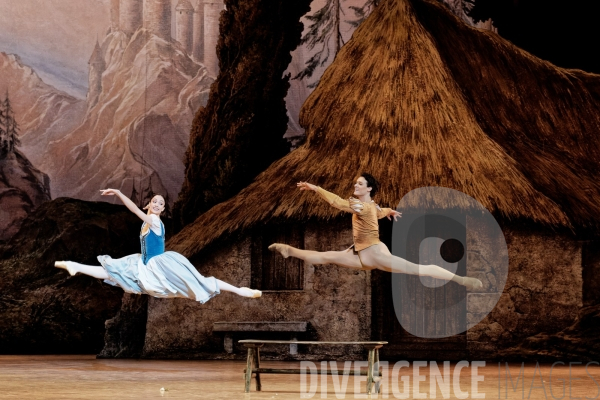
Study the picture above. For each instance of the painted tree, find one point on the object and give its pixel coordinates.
(362, 12)
(324, 31)
(461, 8)
(9, 129)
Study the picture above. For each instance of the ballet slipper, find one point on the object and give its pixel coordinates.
(255, 293)
(65, 265)
(472, 283)
(283, 249)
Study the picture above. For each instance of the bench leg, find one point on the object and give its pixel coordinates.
(249, 361)
(378, 383)
(257, 365)
(370, 371)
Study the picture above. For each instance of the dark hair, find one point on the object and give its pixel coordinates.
(371, 182)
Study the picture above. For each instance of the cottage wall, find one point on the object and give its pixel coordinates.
(591, 272)
(335, 301)
(543, 292)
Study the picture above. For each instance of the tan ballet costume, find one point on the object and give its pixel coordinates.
(365, 232)
(365, 228)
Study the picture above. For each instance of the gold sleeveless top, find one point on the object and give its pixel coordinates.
(365, 228)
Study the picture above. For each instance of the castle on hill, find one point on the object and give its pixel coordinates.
(196, 26)
(196, 29)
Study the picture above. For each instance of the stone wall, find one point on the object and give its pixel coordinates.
(543, 292)
(335, 301)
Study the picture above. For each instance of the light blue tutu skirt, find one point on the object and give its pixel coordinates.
(166, 275)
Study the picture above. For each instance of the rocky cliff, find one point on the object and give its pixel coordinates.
(23, 188)
(136, 128)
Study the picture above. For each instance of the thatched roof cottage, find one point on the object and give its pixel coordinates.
(417, 98)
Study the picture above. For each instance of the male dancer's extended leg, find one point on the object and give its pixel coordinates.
(379, 256)
(342, 258)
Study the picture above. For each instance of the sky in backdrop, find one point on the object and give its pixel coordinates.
(54, 37)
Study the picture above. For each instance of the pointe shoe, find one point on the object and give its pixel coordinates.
(283, 249)
(472, 283)
(65, 265)
(255, 293)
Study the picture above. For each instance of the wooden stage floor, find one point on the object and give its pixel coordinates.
(85, 377)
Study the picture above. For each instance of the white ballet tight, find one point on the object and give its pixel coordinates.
(96, 272)
(244, 292)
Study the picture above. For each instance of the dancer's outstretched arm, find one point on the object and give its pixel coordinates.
(388, 212)
(352, 205)
(333, 199)
(129, 204)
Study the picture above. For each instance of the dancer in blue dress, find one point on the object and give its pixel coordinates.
(154, 271)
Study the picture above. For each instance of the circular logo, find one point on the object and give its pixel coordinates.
(445, 232)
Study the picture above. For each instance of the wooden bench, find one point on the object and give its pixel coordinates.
(293, 328)
(253, 361)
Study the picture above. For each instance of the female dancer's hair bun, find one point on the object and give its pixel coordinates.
(371, 182)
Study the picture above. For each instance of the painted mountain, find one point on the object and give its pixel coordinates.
(143, 94)
(43, 112)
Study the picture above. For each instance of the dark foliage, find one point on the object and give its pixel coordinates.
(240, 131)
(42, 308)
(564, 33)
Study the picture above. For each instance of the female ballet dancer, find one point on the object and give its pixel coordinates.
(154, 272)
(368, 252)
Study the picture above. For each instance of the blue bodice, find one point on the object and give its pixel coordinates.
(152, 244)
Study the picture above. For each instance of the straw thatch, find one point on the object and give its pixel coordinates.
(544, 117)
(391, 105)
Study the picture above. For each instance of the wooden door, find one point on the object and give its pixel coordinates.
(421, 306)
(270, 271)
